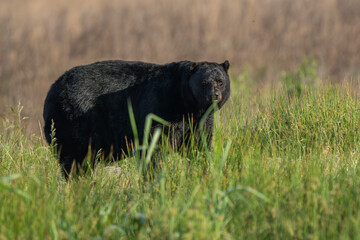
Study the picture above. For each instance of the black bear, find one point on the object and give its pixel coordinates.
(88, 105)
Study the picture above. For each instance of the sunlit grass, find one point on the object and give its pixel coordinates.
(281, 167)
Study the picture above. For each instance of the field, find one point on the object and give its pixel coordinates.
(283, 166)
(285, 157)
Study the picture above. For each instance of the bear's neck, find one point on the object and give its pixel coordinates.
(179, 100)
(172, 106)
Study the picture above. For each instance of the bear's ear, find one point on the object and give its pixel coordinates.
(226, 65)
(193, 66)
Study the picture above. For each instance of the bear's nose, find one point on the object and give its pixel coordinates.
(217, 94)
(214, 95)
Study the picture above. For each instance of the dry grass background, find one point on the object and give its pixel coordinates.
(41, 39)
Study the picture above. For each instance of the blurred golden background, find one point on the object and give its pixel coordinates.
(41, 39)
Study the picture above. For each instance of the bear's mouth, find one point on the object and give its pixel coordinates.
(212, 101)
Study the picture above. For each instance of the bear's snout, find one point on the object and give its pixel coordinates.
(214, 95)
(218, 95)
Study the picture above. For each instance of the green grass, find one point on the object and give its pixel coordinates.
(282, 167)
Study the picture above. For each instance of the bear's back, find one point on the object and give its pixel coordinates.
(76, 91)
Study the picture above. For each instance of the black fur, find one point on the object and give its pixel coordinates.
(88, 104)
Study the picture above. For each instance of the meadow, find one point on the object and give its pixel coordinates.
(285, 155)
(283, 165)
(40, 40)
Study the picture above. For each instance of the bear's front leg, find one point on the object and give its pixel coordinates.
(203, 137)
(208, 130)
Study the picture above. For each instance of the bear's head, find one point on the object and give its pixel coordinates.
(206, 83)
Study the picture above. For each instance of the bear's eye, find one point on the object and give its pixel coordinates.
(219, 82)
